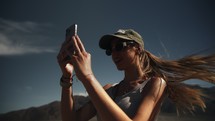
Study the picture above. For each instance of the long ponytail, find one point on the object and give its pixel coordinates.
(176, 71)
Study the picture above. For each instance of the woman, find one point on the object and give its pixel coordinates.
(147, 80)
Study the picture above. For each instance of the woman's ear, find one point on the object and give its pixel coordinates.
(139, 50)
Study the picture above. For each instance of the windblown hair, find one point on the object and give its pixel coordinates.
(176, 71)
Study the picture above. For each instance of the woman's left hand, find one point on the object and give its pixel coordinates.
(81, 59)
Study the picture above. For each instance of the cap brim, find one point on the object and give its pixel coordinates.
(105, 41)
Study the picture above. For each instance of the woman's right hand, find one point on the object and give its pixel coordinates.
(62, 57)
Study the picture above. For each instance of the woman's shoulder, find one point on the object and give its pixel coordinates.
(107, 86)
(155, 85)
(157, 81)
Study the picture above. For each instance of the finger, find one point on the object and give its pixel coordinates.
(62, 56)
(61, 52)
(75, 45)
(81, 46)
(65, 51)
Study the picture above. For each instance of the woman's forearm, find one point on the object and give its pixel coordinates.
(67, 105)
(107, 109)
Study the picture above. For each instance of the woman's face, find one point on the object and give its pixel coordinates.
(127, 57)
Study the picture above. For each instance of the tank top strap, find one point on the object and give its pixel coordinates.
(144, 84)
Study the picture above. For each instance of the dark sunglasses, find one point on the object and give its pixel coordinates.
(119, 47)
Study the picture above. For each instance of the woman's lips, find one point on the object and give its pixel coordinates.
(117, 60)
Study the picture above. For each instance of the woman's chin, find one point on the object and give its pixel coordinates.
(120, 68)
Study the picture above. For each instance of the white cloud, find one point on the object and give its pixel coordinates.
(18, 38)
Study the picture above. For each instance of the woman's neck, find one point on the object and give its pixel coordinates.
(133, 75)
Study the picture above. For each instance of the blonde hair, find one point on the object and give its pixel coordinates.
(176, 71)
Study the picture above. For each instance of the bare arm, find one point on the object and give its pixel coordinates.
(68, 112)
(67, 105)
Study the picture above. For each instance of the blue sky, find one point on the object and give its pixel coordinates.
(31, 32)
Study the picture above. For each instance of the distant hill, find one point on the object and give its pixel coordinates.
(51, 111)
